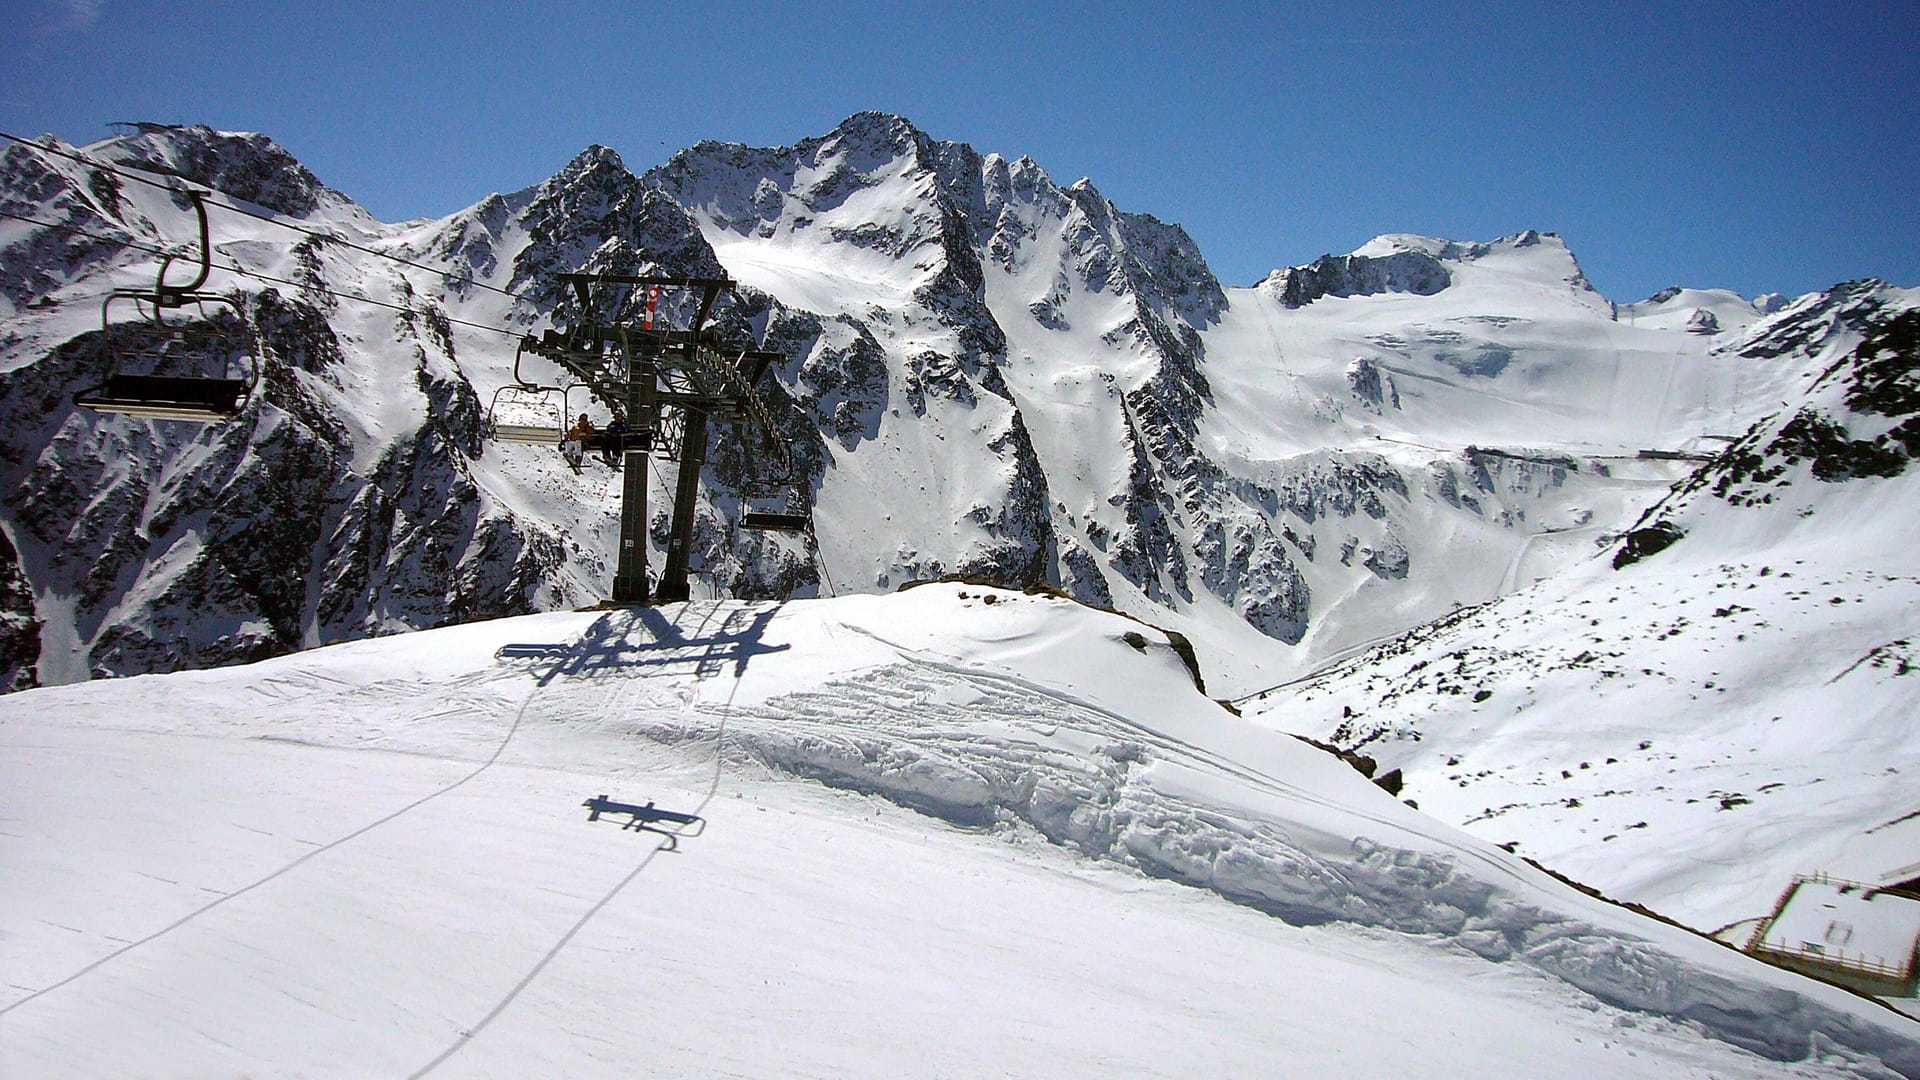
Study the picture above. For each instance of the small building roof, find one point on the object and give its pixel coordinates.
(1846, 923)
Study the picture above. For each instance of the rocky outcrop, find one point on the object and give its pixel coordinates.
(594, 217)
(1358, 275)
(1244, 562)
(240, 165)
(19, 628)
(1372, 387)
(1866, 424)
(1859, 419)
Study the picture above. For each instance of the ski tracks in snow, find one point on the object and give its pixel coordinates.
(276, 874)
(571, 701)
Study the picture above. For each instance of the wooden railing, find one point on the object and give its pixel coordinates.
(1836, 961)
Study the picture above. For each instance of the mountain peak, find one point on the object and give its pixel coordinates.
(873, 121)
(1395, 243)
(1413, 263)
(878, 131)
(1454, 250)
(594, 158)
(1373, 269)
(243, 164)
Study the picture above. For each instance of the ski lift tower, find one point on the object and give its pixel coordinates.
(671, 384)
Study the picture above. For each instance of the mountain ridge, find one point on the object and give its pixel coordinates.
(987, 274)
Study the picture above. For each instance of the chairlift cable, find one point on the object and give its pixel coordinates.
(820, 557)
(334, 238)
(134, 244)
(258, 275)
(468, 1034)
(336, 294)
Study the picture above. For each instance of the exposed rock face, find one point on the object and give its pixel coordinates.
(241, 165)
(1859, 419)
(1246, 563)
(1871, 430)
(1703, 321)
(88, 211)
(1372, 387)
(595, 217)
(1358, 275)
(19, 629)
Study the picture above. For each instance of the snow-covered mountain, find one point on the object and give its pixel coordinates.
(987, 375)
(955, 830)
(1726, 697)
(990, 374)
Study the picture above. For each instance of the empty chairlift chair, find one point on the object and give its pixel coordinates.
(164, 369)
(794, 518)
(527, 414)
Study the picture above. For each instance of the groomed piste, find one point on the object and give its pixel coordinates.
(948, 830)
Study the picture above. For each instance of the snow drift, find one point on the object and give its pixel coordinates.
(1034, 724)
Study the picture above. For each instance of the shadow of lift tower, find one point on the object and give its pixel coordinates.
(671, 384)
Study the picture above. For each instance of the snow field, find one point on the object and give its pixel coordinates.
(1691, 731)
(754, 950)
(396, 827)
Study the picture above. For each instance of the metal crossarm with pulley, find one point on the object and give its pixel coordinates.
(670, 384)
(154, 343)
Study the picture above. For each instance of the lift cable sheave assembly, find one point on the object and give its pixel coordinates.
(669, 384)
(155, 343)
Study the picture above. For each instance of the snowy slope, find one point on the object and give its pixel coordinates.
(951, 830)
(991, 374)
(1248, 468)
(1510, 405)
(1721, 701)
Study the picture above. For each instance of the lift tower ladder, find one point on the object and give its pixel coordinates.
(644, 371)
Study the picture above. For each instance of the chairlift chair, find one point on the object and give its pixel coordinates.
(545, 434)
(793, 518)
(553, 432)
(155, 343)
(770, 521)
(770, 465)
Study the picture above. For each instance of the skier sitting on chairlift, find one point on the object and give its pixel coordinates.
(574, 447)
(612, 445)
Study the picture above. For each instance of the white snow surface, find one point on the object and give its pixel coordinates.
(949, 831)
(1849, 923)
(1688, 732)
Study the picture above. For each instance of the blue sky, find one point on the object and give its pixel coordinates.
(1758, 146)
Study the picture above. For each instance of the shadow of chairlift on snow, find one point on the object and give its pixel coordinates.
(649, 818)
(643, 637)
